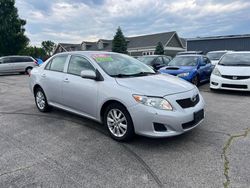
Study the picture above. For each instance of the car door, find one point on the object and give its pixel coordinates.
(6, 65)
(52, 78)
(16, 64)
(20, 63)
(79, 93)
(205, 68)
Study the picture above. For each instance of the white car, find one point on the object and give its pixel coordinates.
(215, 56)
(17, 64)
(232, 72)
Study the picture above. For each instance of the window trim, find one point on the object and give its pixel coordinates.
(71, 56)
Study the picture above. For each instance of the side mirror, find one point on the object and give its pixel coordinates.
(89, 74)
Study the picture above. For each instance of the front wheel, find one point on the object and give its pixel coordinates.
(118, 122)
(41, 100)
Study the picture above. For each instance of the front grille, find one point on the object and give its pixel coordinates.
(189, 102)
(235, 77)
(236, 86)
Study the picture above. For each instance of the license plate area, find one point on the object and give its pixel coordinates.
(198, 116)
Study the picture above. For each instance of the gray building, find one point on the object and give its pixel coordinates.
(137, 46)
(229, 42)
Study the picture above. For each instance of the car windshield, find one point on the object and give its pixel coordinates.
(184, 61)
(236, 59)
(215, 55)
(146, 59)
(119, 65)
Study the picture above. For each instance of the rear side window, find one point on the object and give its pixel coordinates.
(26, 59)
(78, 64)
(20, 59)
(57, 64)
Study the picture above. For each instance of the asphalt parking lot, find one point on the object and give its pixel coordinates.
(58, 149)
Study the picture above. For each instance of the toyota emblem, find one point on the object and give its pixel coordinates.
(193, 99)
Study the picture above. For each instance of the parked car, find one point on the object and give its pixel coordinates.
(215, 56)
(17, 64)
(39, 61)
(118, 90)
(155, 61)
(232, 72)
(193, 68)
(190, 53)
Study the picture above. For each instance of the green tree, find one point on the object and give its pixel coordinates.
(12, 38)
(159, 50)
(119, 43)
(48, 47)
(34, 51)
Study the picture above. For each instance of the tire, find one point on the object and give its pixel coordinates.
(27, 70)
(196, 80)
(41, 100)
(118, 122)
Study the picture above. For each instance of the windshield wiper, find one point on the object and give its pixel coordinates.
(136, 74)
(223, 64)
(143, 74)
(121, 75)
(240, 64)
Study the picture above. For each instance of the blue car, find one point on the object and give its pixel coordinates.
(193, 68)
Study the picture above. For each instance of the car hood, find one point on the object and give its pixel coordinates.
(155, 85)
(234, 70)
(174, 70)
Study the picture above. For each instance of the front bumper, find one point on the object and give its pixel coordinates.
(144, 117)
(217, 82)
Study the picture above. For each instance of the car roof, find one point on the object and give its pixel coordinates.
(220, 51)
(238, 52)
(190, 55)
(15, 56)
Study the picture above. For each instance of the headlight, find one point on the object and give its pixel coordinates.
(183, 74)
(216, 72)
(159, 103)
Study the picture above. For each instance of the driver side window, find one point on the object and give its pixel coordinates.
(77, 64)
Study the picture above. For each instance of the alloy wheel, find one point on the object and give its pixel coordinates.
(40, 100)
(117, 122)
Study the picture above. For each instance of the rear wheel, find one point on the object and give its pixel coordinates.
(118, 122)
(41, 100)
(28, 69)
(196, 80)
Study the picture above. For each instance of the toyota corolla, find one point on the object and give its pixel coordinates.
(119, 91)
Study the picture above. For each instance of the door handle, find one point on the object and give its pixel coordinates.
(43, 75)
(66, 80)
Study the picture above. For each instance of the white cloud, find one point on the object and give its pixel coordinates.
(74, 21)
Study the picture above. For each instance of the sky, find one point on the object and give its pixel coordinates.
(74, 21)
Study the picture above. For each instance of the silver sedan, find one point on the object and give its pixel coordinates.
(119, 91)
